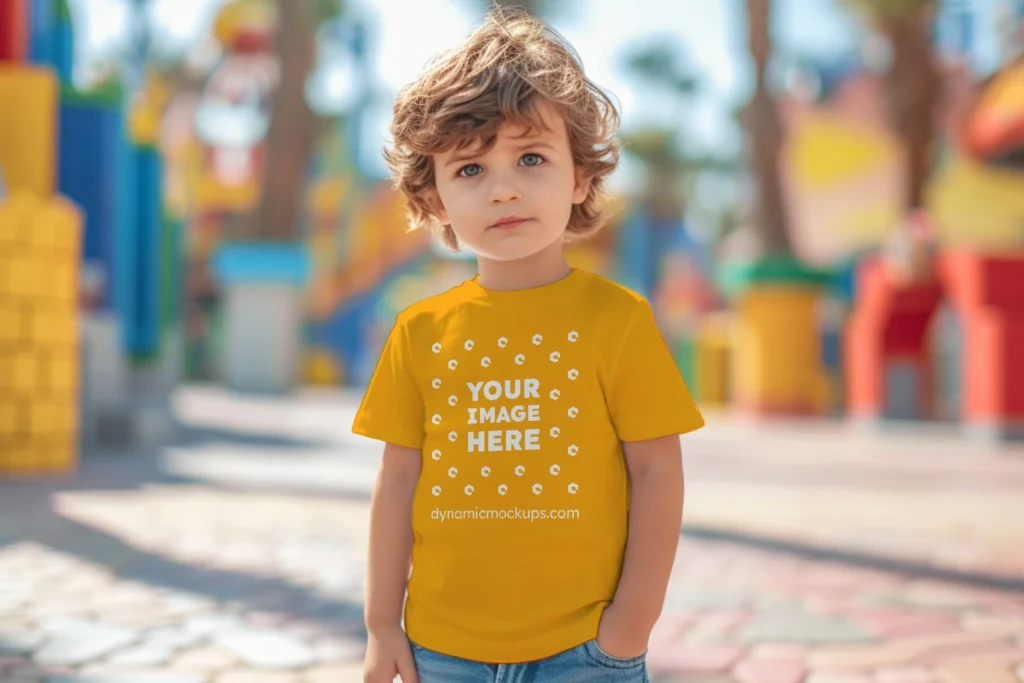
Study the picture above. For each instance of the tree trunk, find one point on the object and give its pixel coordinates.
(765, 137)
(914, 85)
(290, 138)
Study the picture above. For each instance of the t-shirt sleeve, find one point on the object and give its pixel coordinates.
(392, 407)
(648, 397)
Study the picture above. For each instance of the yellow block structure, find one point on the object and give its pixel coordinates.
(776, 349)
(39, 256)
(28, 128)
(711, 360)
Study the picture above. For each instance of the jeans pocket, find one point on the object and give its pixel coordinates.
(601, 657)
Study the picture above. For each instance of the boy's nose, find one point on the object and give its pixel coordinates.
(502, 192)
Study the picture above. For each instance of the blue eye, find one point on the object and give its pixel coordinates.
(464, 171)
(538, 162)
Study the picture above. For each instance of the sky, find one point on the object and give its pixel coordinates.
(711, 33)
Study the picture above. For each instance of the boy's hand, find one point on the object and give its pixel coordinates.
(388, 655)
(620, 634)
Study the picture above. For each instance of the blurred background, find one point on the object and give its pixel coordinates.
(201, 255)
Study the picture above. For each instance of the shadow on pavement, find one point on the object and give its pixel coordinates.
(29, 513)
(193, 435)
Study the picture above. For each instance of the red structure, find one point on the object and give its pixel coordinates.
(14, 25)
(892, 323)
(989, 294)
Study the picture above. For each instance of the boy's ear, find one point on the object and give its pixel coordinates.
(436, 206)
(582, 187)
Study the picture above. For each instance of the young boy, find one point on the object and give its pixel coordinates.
(531, 416)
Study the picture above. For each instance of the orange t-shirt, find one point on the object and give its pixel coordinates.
(518, 402)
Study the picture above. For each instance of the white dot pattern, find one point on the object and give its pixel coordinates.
(537, 488)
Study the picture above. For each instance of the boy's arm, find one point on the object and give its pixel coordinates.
(655, 519)
(390, 546)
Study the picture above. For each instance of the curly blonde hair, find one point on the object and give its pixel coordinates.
(494, 78)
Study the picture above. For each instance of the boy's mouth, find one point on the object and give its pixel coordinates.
(509, 222)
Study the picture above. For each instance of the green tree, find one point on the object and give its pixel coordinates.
(661, 64)
(670, 168)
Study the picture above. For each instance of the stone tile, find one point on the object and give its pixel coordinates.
(799, 626)
(721, 622)
(903, 651)
(765, 670)
(914, 674)
(145, 654)
(269, 649)
(213, 624)
(940, 595)
(183, 603)
(779, 651)
(266, 619)
(204, 658)
(7, 663)
(23, 677)
(46, 674)
(923, 643)
(671, 625)
(897, 623)
(991, 655)
(335, 673)
(970, 650)
(79, 645)
(339, 649)
(977, 673)
(839, 677)
(867, 656)
(923, 596)
(129, 675)
(56, 625)
(172, 636)
(15, 624)
(149, 616)
(772, 601)
(307, 629)
(707, 598)
(254, 676)
(825, 604)
(13, 644)
(694, 658)
(1003, 624)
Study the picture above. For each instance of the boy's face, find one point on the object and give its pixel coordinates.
(527, 177)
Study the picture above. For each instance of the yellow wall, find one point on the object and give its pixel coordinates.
(39, 251)
(844, 185)
(28, 125)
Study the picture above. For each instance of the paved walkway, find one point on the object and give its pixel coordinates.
(238, 557)
(922, 496)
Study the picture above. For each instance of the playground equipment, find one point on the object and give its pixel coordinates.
(892, 336)
(776, 339)
(86, 255)
(39, 243)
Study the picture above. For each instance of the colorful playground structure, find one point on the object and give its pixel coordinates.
(116, 206)
(88, 256)
(845, 331)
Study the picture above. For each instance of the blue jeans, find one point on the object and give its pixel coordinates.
(585, 663)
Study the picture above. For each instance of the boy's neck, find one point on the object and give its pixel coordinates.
(543, 268)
